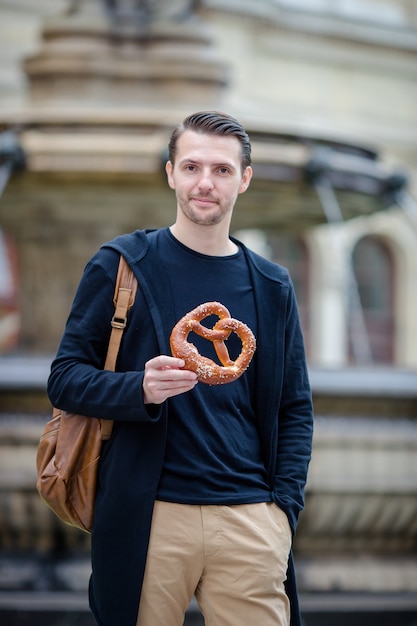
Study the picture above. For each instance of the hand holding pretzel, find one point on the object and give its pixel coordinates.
(207, 370)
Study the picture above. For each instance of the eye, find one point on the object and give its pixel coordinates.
(224, 170)
(189, 168)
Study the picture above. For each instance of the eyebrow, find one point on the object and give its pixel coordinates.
(198, 162)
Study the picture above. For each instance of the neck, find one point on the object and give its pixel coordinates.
(208, 241)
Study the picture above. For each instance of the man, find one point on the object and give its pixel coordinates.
(200, 486)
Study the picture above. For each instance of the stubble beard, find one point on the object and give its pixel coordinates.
(202, 217)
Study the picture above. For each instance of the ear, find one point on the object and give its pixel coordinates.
(246, 178)
(169, 170)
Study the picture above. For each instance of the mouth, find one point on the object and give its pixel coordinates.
(204, 201)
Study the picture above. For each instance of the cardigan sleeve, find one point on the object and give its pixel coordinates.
(77, 382)
(295, 420)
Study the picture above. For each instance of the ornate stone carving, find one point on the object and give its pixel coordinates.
(126, 53)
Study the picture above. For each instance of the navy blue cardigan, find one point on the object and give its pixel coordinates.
(131, 461)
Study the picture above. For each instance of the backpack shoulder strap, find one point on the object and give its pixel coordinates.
(124, 297)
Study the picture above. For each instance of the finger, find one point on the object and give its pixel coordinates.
(164, 361)
(165, 368)
(169, 376)
(157, 392)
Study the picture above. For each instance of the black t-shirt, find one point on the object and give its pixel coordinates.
(213, 451)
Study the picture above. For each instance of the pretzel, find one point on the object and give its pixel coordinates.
(207, 370)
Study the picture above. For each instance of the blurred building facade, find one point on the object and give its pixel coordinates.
(328, 93)
(93, 104)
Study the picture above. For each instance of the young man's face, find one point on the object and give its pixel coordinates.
(207, 176)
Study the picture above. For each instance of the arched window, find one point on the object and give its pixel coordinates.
(291, 252)
(373, 269)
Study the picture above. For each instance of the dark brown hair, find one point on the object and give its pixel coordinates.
(212, 123)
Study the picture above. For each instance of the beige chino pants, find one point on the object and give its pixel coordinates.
(233, 558)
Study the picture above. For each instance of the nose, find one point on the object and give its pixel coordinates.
(205, 182)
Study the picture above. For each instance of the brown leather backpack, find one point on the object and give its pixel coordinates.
(69, 449)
